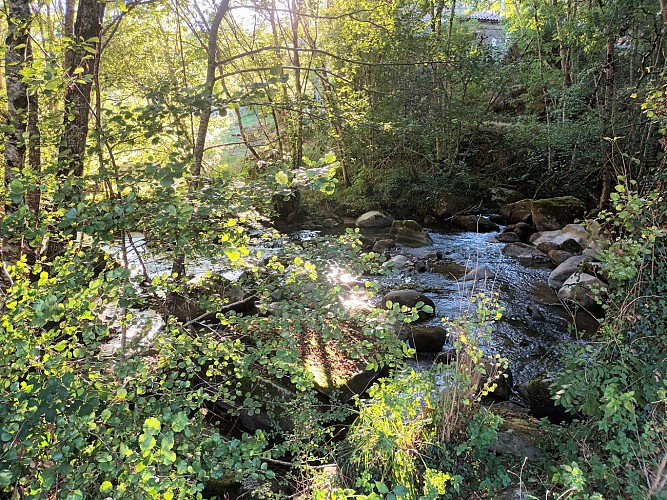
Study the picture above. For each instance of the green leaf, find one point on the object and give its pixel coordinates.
(179, 422)
(152, 426)
(381, 487)
(146, 443)
(282, 179)
(106, 486)
(400, 491)
(5, 478)
(166, 447)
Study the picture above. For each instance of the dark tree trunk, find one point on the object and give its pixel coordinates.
(21, 105)
(202, 131)
(80, 70)
(178, 265)
(87, 31)
(607, 117)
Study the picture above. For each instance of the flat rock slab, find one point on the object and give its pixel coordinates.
(374, 218)
(524, 251)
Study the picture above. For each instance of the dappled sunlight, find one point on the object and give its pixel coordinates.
(354, 294)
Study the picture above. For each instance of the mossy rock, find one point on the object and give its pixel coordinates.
(410, 233)
(551, 214)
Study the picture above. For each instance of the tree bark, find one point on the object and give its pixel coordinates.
(297, 140)
(178, 265)
(607, 117)
(87, 30)
(562, 48)
(202, 131)
(21, 104)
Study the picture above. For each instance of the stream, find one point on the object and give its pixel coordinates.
(533, 333)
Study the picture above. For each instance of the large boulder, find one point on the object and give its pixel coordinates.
(410, 233)
(559, 276)
(519, 211)
(583, 289)
(508, 237)
(374, 218)
(410, 299)
(572, 238)
(397, 262)
(206, 295)
(424, 338)
(383, 245)
(559, 256)
(502, 196)
(475, 223)
(480, 273)
(538, 395)
(519, 434)
(490, 375)
(524, 251)
(550, 214)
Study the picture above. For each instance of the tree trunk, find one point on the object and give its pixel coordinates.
(562, 48)
(87, 30)
(178, 266)
(18, 55)
(202, 131)
(607, 117)
(297, 140)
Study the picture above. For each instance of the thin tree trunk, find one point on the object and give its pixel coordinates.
(297, 149)
(17, 56)
(202, 130)
(562, 48)
(88, 27)
(81, 71)
(68, 30)
(178, 266)
(607, 117)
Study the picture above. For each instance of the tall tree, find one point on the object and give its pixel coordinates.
(22, 103)
(81, 56)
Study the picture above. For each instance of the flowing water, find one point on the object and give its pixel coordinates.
(535, 328)
(533, 333)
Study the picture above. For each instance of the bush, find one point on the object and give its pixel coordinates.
(618, 383)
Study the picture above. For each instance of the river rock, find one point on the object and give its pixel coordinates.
(374, 218)
(523, 251)
(410, 233)
(572, 238)
(502, 196)
(397, 262)
(480, 273)
(518, 434)
(383, 245)
(424, 338)
(519, 211)
(559, 256)
(410, 298)
(559, 275)
(539, 397)
(553, 213)
(268, 416)
(583, 289)
(503, 381)
(331, 223)
(475, 223)
(508, 237)
(193, 302)
(514, 493)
